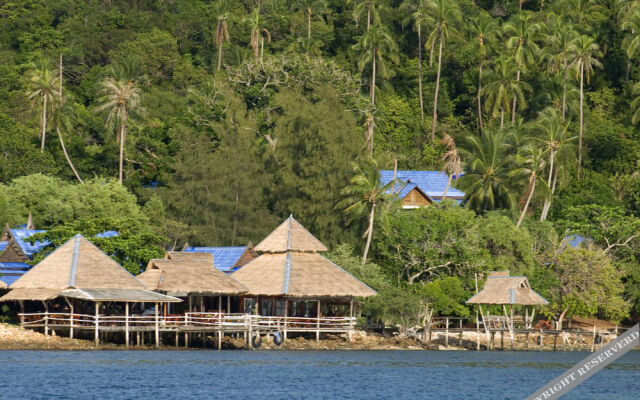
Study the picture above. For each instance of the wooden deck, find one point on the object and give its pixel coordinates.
(188, 323)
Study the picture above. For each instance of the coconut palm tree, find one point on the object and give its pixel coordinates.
(487, 163)
(258, 33)
(419, 16)
(561, 44)
(452, 163)
(311, 8)
(502, 87)
(445, 15)
(60, 117)
(223, 12)
(531, 163)
(120, 98)
(522, 31)
(43, 85)
(631, 41)
(483, 30)
(366, 196)
(370, 7)
(375, 48)
(584, 58)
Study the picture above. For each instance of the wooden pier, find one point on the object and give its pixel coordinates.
(220, 324)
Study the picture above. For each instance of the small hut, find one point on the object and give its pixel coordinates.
(502, 289)
(290, 278)
(79, 274)
(192, 276)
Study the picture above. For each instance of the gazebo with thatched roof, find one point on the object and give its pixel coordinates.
(291, 279)
(502, 289)
(80, 273)
(194, 277)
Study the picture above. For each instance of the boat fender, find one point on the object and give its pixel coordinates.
(277, 338)
(256, 341)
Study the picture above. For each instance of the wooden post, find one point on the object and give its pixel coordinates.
(250, 330)
(555, 340)
(541, 338)
(190, 303)
(460, 335)
(220, 340)
(351, 320)
(286, 312)
(71, 321)
(318, 315)
(446, 332)
(186, 334)
(46, 318)
(593, 339)
(502, 340)
(157, 327)
(21, 312)
(96, 323)
(202, 304)
(126, 324)
(228, 304)
(219, 305)
(177, 338)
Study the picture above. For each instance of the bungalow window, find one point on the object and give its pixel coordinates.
(266, 307)
(280, 307)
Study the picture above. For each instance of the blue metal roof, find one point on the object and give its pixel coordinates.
(224, 258)
(14, 266)
(432, 183)
(574, 240)
(9, 279)
(107, 234)
(21, 236)
(3, 245)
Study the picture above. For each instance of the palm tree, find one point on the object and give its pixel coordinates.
(310, 8)
(419, 16)
(532, 164)
(452, 164)
(483, 30)
(445, 15)
(376, 46)
(368, 6)
(43, 84)
(503, 86)
(561, 44)
(583, 60)
(120, 97)
(60, 117)
(486, 181)
(223, 11)
(635, 104)
(522, 31)
(555, 140)
(631, 42)
(366, 194)
(258, 33)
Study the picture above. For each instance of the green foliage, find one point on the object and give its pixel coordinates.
(447, 296)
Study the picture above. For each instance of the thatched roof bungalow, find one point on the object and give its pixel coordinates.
(192, 276)
(290, 274)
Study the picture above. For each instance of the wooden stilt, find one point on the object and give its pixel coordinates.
(446, 332)
(202, 304)
(126, 324)
(351, 320)
(46, 317)
(460, 334)
(186, 339)
(286, 313)
(21, 312)
(318, 315)
(593, 339)
(96, 323)
(177, 338)
(541, 339)
(219, 340)
(157, 327)
(138, 339)
(71, 320)
(228, 304)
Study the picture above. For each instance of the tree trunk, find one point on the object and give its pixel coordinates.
(44, 121)
(370, 136)
(373, 80)
(564, 91)
(123, 130)
(513, 111)
(435, 96)
(446, 189)
(526, 204)
(368, 15)
(501, 117)
(547, 201)
(369, 234)
(581, 121)
(561, 318)
(308, 23)
(547, 205)
(626, 76)
(219, 55)
(66, 155)
(420, 74)
(480, 126)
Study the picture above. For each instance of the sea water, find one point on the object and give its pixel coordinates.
(210, 374)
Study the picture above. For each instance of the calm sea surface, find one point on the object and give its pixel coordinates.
(302, 375)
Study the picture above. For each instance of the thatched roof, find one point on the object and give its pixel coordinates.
(504, 289)
(290, 236)
(3, 285)
(190, 257)
(184, 275)
(299, 274)
(77, 264)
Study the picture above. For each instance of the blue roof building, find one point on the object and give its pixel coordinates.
(10, 272)
(227, 259)
(430, 184)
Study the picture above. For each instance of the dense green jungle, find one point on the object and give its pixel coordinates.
(210, 122)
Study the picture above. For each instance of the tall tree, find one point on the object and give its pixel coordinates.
(502, 87)
(311, 8)
(222, 9)
(445, 15)
(43, 84)
(258, 33)
(531, 163)
(561, 44)
(61, 120)
(483, 30)
(452, 163)
(120, 98)
(419, 16)
(370, 7)
(366, 195)
(522, 30)
(486, 182)
(583, 60)
(631, 42)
